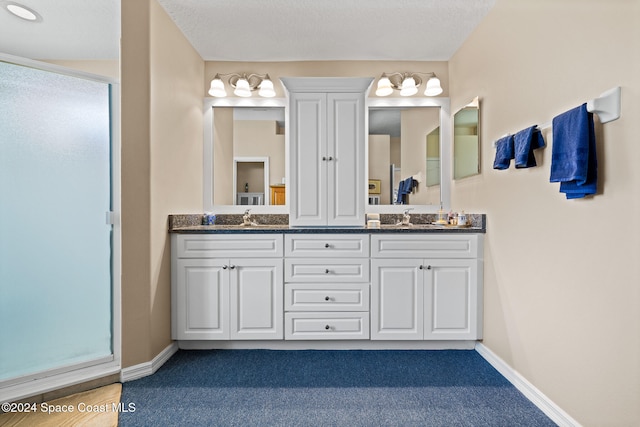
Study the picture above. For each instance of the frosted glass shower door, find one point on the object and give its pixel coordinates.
(55, 245)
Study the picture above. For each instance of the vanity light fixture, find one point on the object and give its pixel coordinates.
(243, 85)
(407, 84)
(23, 12)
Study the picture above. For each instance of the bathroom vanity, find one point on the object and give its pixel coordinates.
(316, 277)
(401, 285)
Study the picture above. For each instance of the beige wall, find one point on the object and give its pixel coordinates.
(223, 156)
(379, 163)
(417, 123)
(562, 293)
(107, 68)
(259, 138)
(161, 166)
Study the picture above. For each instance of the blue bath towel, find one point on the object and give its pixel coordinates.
(404, 188)
(573, 160)
(504, 152)
(524, 143)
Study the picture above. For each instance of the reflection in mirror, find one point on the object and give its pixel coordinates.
(466, 141)
(433, 158)
(401, 142)
(248, 155)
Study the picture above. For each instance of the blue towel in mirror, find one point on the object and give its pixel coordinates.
(573, 160)
(524, 143)
(504, 152)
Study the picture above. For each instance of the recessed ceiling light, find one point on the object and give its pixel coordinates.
(23, 12)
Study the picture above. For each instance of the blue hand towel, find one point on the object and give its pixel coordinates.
(504, 152)
(524, 143)
(573, 160)
(401, 193)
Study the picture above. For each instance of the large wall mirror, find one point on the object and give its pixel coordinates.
(408, 140)
(466, 140)
(245, 155)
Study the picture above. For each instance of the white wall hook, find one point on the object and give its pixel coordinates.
(606, 106)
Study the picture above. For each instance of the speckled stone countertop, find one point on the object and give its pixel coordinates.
(279, 223)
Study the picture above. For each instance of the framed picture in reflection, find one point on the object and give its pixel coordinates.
(374, 186)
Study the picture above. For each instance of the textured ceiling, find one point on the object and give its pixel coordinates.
(256, 30)
(298, 30)
(70, 29)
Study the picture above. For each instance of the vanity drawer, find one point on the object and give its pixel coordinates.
(326, 297)
(326, 270)
(426, 246)
(327, 245)
(326, 326)
(228, 245)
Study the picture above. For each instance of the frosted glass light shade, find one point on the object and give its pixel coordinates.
(384, 87)
(242, 88)
(266, 89)
(22, 12)
(408, 87)
(433, 87)
(217, 88)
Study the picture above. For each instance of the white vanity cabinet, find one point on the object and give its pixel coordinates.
(426, 287)
(227, 286)
(326, 286)
(327, 151)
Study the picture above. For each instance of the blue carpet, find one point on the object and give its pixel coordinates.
(327, 388)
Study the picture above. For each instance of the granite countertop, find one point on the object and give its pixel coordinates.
(227, 224)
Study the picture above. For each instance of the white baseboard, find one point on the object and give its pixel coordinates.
(326, 345)
(536, 397)
(148, 368)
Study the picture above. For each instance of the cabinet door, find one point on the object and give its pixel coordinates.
(201, 300)
(308, 170)
(452, 299)
(256, 299)
(346, 158)
(397, 298)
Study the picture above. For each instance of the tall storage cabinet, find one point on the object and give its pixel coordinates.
(327, 150)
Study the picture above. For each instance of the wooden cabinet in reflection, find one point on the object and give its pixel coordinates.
(278, 194)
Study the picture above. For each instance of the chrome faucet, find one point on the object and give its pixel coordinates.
(406, 218)
(246, 218)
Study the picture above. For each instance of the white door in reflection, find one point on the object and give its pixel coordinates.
(55, 245)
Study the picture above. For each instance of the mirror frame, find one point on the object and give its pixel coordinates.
(208, 143)
(446, 148)
(476, 100)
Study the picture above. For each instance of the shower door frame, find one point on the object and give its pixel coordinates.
(57, 378)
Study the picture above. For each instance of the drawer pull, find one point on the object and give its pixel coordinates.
(327, 327)
(327, 298)
(326, 245)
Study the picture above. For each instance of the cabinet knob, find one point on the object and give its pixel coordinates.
(326, 271)
(428, 267)
(326, 245)
(327, 327)
(224, 267)
(233, 267)
(327, 298)
(421, 267)
(324, 158)
(330, 158)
